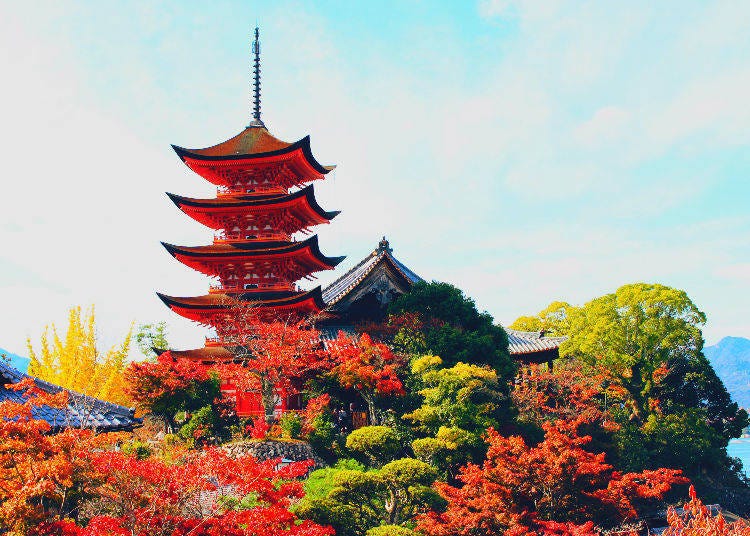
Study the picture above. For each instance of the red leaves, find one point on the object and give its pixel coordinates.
(151, 497)
(365, 365)
(521, 488)
(36, 467)
(697, 520)
(149, 381)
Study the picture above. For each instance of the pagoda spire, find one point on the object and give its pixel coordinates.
(256, 122)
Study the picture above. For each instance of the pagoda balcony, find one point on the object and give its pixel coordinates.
(247, 287)
(213, 341)
(220, 238)
(240, 189)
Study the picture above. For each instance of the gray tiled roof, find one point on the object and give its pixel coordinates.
(82, 411)
(529, 342)
(519, 342)
(344, 284)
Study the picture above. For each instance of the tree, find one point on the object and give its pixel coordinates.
(363, 499)
(644, 342)
(521, 488)
(646, 339)
(377, 444)
(151, 496)
(169, 385)
(458, 404)
(150, 336)
(74, 361)
(272, 354)
(697, 520)
(43, 476)
(449, 325)
(368, 367)
(552, 320)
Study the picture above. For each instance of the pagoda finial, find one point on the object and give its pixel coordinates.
(256, 122)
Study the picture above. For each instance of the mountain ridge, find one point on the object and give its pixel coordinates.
(730, 358)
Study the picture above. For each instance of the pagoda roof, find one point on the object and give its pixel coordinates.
(382, 257)
(301, 199)
(213, 353)
(199, 307)
(245, 251)
(82, 411)
(254, 143)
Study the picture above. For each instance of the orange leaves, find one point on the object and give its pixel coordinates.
(37, 468)
(526, 490)
(152, 498)
(697, 520)
(365, 365)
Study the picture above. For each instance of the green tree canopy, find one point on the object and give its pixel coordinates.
(451, 326)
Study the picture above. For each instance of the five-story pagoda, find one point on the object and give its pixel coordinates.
(264, 200)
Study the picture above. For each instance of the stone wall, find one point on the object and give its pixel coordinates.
(264, 450)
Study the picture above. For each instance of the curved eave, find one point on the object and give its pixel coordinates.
(235, 252)
(307, 193)
(302, 145)
(315, 296)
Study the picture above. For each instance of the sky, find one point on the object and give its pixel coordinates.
(525, 151)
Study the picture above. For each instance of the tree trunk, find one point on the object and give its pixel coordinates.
(372, 413)
(268, 398)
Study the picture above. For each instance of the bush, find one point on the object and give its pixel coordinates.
(136, 448)
(291, 424)
(322, 435)
(200, 426)
(376, 444)
(390, 530)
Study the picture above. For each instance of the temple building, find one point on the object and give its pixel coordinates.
(364, 292)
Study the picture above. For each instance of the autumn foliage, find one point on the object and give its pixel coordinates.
(697, 520)
(73, 359)
(368, 367)
(151, 497)
(271, 356)
(42, 475)
(530, 489)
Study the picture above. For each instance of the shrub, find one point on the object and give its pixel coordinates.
(377, 444)
(390, 530)
(136, 448)
(258, 429)
(200, 426)
(291, 424)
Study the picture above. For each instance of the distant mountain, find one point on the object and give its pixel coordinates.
(731, 361)
(16, 361)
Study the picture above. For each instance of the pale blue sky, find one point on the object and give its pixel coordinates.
(524, 151)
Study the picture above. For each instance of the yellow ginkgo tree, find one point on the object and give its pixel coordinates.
(72, 360)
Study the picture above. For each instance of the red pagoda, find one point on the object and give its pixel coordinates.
(264, 201)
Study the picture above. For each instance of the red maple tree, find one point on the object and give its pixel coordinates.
(155, 498)
(166, 385)
(523, 489)
(272, 355)
(40, 472)
(367, 367)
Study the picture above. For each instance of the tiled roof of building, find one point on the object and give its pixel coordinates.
(529, 342)
(82, 411)
(519, 342)
(344, 284)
